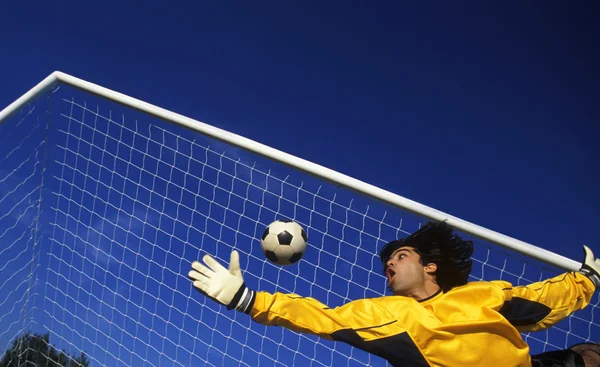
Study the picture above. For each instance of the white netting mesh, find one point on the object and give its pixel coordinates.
(22, 162)
(129, 201)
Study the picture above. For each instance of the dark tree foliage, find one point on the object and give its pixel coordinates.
(35, 350)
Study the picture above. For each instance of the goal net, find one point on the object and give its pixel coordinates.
(105, 201)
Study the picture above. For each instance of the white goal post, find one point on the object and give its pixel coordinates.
(105, 200)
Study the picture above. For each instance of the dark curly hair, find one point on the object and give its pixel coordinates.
(437, 243)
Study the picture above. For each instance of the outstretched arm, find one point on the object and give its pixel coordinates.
(301, 314)
(542, 304)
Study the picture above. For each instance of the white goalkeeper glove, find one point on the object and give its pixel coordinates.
(591, 266)
(225, 286)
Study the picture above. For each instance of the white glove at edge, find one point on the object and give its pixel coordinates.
(591, 266)
(226, 286)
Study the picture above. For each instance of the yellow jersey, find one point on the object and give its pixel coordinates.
(474, 325)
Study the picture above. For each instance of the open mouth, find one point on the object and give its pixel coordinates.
(390, 274)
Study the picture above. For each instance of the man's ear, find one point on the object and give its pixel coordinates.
(431, 268)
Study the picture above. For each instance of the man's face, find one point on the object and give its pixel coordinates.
(406, 275)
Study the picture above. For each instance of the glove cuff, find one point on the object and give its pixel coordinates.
(243, 300)
(591, 273)
(247, 301)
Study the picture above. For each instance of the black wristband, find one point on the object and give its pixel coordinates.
(236, 298)
(590, 273)
(247, 302)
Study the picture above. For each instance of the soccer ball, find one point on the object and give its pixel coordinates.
(284, 242)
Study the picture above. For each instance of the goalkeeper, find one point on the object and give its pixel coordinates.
(435, 317)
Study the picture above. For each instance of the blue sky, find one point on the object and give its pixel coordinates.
(483, 111)
(486, 112)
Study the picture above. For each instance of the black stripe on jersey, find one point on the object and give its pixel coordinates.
(375, 327)
(521, 311)
(397, 349)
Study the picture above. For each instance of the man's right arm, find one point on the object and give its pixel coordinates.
(291, 311)
(300, 314)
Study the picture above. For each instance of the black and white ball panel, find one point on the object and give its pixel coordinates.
(284, 242)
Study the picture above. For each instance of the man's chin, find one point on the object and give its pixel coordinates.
(395, 290)
(398, 290)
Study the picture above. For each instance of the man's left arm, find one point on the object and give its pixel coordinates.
(542, 304)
